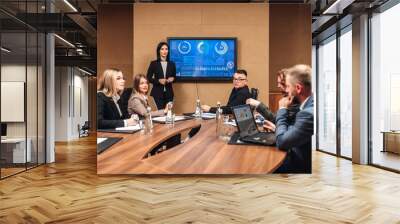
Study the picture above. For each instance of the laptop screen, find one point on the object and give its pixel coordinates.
(245, 120)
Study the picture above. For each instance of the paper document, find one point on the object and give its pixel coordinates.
(129, 128)
(233, 123)
(100, 140)
(162, 119)
(208, 115)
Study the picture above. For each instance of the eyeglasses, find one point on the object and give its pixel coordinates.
(237, 80)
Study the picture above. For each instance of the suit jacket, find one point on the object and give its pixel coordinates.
(107, 112)
(236, 98)
(155, 72)
(296, 138)
(269, 115)
(137, 105)
(265, 112)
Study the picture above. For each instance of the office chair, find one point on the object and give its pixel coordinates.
(84, 130)
(254, 93)
(125, 98)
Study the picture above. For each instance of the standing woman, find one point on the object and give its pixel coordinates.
(162, 74)
(110, 113)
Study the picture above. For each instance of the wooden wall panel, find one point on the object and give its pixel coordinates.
(270, 37)
(115, 38)
(248, 22)
(290, 38)
(274, 98)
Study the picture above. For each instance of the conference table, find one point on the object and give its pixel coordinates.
(203, 153)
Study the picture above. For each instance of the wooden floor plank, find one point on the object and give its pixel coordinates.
(69, 191)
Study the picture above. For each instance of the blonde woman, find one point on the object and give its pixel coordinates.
(138, 102)
(109, 105)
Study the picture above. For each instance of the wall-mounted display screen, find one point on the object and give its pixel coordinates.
(203, 58)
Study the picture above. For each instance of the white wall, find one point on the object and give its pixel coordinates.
(61, 103)
(80, 111)
(71, 102)
(14, 73)
(33, 126)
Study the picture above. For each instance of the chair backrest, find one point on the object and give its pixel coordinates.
(86, 125)
(254, 93)
(125, 98)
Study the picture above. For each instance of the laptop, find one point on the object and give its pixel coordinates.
(248, 131)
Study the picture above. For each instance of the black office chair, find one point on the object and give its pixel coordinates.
(124, 99)
(254, 93)
(84, 130)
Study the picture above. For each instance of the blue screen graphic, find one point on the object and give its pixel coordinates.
(203, 58)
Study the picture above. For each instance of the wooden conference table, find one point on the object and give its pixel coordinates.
(204, 153)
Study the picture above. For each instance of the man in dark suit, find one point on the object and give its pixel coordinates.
(239, 94)
(296, 138)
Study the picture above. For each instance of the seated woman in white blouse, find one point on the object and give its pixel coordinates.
(138, 102)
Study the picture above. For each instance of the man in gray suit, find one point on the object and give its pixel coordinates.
(295, 138)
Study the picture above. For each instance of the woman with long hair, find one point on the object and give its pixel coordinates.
(138, 102)
(162, 73)
(109, 113)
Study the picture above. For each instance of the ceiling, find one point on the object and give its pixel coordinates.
(77, 26)
(76, 21)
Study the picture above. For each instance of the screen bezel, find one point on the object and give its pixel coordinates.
(207, 79)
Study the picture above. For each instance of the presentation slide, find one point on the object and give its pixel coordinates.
(203, 58)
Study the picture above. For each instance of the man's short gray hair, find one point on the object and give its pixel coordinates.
(301, 73)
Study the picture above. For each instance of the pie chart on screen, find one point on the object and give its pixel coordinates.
(221, 47)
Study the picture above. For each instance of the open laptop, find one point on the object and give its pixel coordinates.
(248, 131)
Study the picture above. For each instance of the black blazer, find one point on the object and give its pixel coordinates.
(237, 97)
(107, 112)
(155, 72)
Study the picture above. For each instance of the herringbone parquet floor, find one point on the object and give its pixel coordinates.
(69, 191)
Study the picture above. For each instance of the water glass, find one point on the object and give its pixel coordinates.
(141, 125)
(135, 118)
(173, 119)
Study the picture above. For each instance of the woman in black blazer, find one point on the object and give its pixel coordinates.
(162, 74)
(111, 113)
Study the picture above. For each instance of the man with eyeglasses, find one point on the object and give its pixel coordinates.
(265, 111)
(240, 93)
